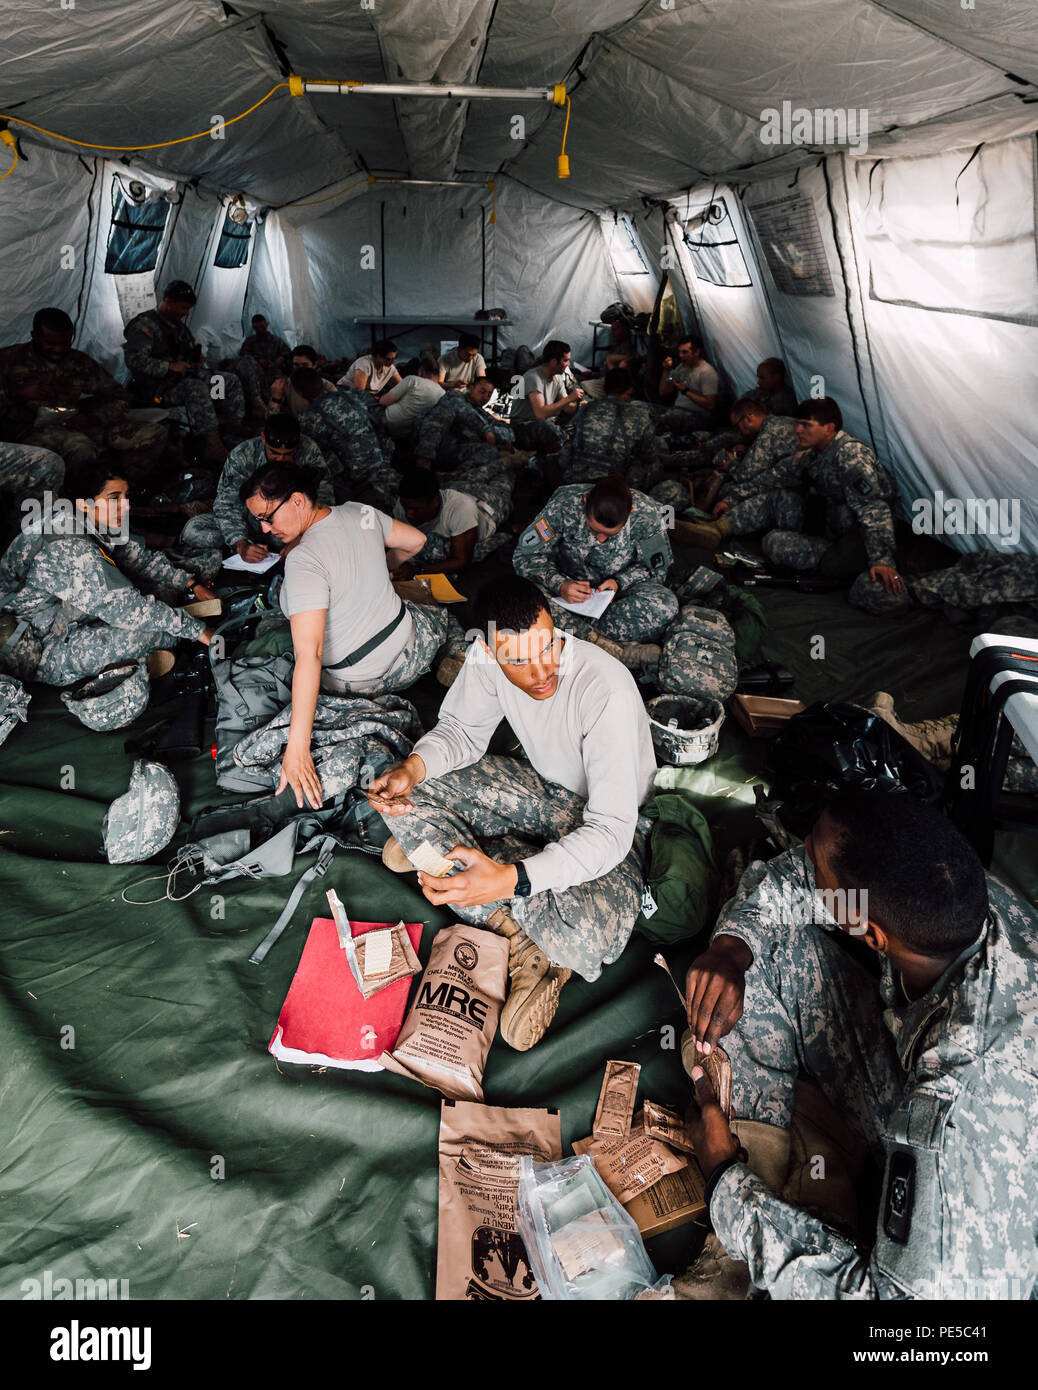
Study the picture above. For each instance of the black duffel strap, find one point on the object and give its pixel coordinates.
(369, 646)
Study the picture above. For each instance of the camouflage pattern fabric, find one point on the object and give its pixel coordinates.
(26, 471)
(509, 811)
(672, 494)
(780, 402)
(142, 821)
(437, 633)
(152, 343)
(491, 486)
(256, 363)
(230, 520)
(79, 598)
(540, 436)
(641, 614)
(611, 434)
(110, 699)
(698, 657)
(351, 738)
(454, 433)
(944, 1087)
(755, 472)
(341, 424)
(980, 580)
(14, 705)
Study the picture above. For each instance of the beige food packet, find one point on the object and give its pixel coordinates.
(630, 1166)
(663, 1123)
(616, 1100)
(480, 1254)
(402, 960)
(447, 1034)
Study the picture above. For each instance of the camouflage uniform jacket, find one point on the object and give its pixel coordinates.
(755, 471)
(559, 545)
(60, 579)
(965, 1120)
(780, 402)
(609, 434)
(857, 488)
(455, 418)
(266, 349)
(230, 511)
(71, 380)
(343, 427)
(153, 342)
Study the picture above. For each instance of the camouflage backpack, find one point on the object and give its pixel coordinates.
(145, 818)
(14, 705)
(698, 656)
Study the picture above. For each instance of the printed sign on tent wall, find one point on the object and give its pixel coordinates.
(792, 244)
(136, 293)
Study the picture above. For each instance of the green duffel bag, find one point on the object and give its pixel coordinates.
(681, 875)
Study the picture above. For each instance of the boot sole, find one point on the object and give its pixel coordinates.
(525, 1022)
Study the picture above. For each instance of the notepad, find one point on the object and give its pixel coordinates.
(235, 562)
(443, 591)
(592, 607)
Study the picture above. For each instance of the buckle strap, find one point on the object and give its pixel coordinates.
(369, 646)
(325, 850)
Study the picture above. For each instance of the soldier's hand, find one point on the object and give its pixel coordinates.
(251, 551)
(708, 1129)
(667, 363)
(299, 773)
(404, 571)
(714, 989)
(390, 792)
(206, 635)
(721, 508)
(482, 880)
(181, 368)
(888, 577)
(202, 591)
(608, 584)
(575, 591)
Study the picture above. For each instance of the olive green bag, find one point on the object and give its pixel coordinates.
(681, 875)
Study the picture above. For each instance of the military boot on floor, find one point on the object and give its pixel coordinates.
(636, 655)
(707, 535)
(615, 649)
(932, 737)
(534, 985)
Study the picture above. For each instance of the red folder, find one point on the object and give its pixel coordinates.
(325, 1020)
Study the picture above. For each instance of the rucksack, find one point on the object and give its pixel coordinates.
(14, 705)
(681, 875)
(698, 656)
(250, 690)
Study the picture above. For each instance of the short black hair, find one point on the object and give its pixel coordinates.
(824, 411)
(53, 320)
(418, 483)
(305, 350)
(468, 340)
(696, 344)
(609, 502)
(554, 348)
(747, 405)
(88, 479)
(277, 481)
(508, 604)
(384, 347)
(925, 883)
(429, 363)
(774, 364)
(259, 318)
(282, 430)
(617, 381)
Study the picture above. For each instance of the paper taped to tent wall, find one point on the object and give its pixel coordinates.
(887, 255)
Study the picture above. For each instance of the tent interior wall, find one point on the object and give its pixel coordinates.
(896, 273)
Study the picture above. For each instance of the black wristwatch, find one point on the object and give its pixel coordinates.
(522, 885)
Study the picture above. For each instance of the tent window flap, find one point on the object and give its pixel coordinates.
(135, 235)
(233, 250)
(714, 246)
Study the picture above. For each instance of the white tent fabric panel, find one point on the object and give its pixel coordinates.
(280, 287)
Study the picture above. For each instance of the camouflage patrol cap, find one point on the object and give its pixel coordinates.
(14, 705)
(144, 819)
(179, 292)
(111, 700)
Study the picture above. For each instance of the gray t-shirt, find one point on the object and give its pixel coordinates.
(455, 370)
(592, 736)
(340, 565)
(412, 398)
(458, 513)
(701, 379)
(552, 388)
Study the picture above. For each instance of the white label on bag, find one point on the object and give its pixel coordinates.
(378, 952)
(649, 904)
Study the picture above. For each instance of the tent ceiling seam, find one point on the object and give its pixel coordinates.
(940, 38)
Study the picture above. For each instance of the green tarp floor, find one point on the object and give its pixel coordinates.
(134, 1038)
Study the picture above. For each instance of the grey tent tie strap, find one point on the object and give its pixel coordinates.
(325, 850)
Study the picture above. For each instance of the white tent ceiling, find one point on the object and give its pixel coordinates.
(665, 93)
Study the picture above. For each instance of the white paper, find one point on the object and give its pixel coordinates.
(235, 562)
(592, 607)
(378, 952)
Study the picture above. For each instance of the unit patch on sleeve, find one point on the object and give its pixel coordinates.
(544, 530)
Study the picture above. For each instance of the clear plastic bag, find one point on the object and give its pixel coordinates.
(582, 1244)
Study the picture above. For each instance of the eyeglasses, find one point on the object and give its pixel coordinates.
(266, 520)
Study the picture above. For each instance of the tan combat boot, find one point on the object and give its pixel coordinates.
(932, 737)
(534, 985)
(635, 655)
(449, 669)
(613, 648)
(707, 535)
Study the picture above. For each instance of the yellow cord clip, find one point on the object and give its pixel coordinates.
(295, 85)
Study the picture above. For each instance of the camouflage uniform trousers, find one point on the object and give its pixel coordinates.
(194, 394)
(139, 443)
(540, 436)
(510, 811)
(255, 381)
(26, 471)
(639, 615)
(202, 537)
(437, 633)
(492, 487)
(680, 424)
(87, 648)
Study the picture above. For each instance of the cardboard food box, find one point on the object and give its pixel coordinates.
(673, 1201)
(763, 716)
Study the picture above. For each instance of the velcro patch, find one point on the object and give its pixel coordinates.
(544, 530)
(148, 332)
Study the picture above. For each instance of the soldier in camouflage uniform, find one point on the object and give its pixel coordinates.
(230, 525)
(342, 423)
(29, 472)
(460, 521)
(615, 434)
(76, 596)
(457, 433)
(747, 467)
(264, 357)
(162, 355)
(932, 1066)
(604, 535)
(89, 409)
